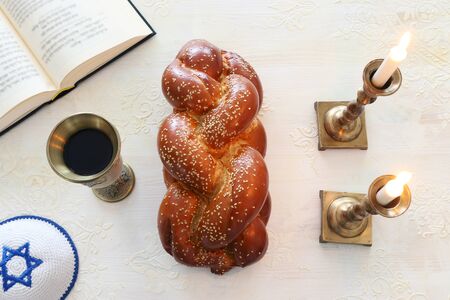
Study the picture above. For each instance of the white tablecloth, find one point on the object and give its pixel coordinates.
(303, 51)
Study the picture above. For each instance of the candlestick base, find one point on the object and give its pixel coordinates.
(360, 233)
(353, 136)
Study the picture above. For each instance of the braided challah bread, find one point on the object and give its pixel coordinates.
(212, 147)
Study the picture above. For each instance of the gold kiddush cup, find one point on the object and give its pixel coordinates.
(85, 148)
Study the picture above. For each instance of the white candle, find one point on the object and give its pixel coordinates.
(393, 188)
(390, 63)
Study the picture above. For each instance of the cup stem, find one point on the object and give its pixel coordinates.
(120, 188)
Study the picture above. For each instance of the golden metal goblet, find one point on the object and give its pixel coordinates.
(113, 183)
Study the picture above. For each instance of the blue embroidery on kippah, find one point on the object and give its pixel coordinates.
(68, 238)
(25, 277)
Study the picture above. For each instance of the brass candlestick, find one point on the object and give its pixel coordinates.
(347, 217)
(112, 184)
(342, 124)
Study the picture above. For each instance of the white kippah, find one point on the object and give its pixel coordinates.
(38, 259)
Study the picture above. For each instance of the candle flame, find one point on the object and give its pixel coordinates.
(405, 40)
(399, 53)
(395, 186)
(403, 177)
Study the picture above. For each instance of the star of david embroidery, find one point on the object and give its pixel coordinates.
(24, 278)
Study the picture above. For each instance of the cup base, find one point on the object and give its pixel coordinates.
(120, 189)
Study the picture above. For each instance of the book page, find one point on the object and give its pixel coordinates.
(20, 75)
(65, 33)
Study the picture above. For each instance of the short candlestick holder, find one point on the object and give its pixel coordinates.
(342, 124)
(347, 217)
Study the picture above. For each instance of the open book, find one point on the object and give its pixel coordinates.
(47, 46)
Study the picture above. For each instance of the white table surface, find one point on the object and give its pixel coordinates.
(303, 51)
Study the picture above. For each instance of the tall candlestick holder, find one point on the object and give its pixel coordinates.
(347, 217)
(342, 124)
